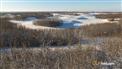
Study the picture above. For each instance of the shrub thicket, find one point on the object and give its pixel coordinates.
(49, 22)
(13, 36)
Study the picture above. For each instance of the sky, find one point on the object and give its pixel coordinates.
(60, 5)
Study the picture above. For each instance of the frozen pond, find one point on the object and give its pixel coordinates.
(30, 18)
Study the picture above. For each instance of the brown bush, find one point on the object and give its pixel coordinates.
(109, 16)
(106, 29)
(113, 49)
(47, 59)
(48, 22)
(12, 36)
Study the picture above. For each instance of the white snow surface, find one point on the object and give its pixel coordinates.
(105, 63)
(30, 25)
(69, 21)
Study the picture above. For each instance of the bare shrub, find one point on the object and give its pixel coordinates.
(47, 59)
(109, 15)
(12, 36)
(106, 29)
(50, 22)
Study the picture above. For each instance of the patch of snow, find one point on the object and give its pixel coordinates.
(30, 25)
(105, 63)
(94, 21)
(30, 18)
(71, 21)
(68, 21)
(96, 13)
(8, 15)
(55, 14)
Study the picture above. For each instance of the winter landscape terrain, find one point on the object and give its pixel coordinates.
(61, 40)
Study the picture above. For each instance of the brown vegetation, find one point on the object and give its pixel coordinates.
(21, 37)
(106, 29)
(49, 22)
(80, 58)
(47, 59)
(109, 15)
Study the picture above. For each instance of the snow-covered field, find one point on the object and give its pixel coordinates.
(30, 25)
(69, 21)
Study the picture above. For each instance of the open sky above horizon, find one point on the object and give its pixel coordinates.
(61, 5)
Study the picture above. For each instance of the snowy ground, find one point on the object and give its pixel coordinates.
(69, 21)
(30, 25)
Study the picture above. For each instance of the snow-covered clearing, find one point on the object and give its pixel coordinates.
(30, 25)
